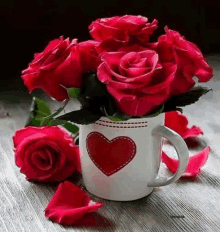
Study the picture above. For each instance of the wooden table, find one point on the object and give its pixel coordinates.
(182, 206)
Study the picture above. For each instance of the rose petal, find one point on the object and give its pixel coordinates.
(115, 61)
(58, 162)
(40, 57)
(147, 31)
(23, 133)
(184, 84)
(88, 55)
(179, 123)
(134, 47)
(102, 32)
(196, 162)
(69, 204)
(123, 28)
(112, 59)
(134, 64)
(194, 131)
(134, 105)
(42, 159)
(108, 45)
(78, 160)
(42, 80)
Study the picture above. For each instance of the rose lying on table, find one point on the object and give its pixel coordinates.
(46, 154)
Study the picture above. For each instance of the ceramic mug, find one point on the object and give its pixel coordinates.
(121, 159)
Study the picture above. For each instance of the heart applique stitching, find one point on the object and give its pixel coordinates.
(110, 156)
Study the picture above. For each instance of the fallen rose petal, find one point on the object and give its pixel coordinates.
(194, 131)
(70, 204)
(195, 162)
(179, 123)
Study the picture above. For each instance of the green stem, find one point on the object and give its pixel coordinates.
(58, 111)
(76, 134)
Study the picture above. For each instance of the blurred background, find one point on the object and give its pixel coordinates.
(28, 26)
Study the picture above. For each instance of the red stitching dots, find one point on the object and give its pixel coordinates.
(133, 126)
(133, 152)
(129, 123)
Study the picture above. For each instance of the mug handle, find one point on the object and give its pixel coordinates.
(182, 152)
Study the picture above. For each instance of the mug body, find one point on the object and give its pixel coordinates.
(119, 158)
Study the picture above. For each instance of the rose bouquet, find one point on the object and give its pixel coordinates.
(119, 74)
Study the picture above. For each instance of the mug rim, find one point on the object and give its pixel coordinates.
(131, 120)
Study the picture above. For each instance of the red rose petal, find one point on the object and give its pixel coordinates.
(88, 55)
(194, 131)
(70, 204)
(122, 29)
(179, 123)
(195, 162)
(78, 161)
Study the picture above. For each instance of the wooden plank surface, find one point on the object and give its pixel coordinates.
(197, 204)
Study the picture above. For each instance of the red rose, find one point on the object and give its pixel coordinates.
(88, 55)
(189, 59)
(45, 153)
(136, 79)
(58, 64)
(122, 29)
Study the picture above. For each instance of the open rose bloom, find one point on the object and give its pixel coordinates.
(119, 73)
(138, 81)
(45, 154)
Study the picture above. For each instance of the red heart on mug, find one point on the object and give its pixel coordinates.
(110, 155)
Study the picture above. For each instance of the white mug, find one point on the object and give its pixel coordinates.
(121, 159)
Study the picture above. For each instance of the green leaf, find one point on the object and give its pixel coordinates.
(179, 109)
(38, 110)
(185, 99)
(33, 122)
(94, 94)
(156, 113)
(82, 116)
(115, 118)
(191, 96)
(118, 116)
(71, 127)
(56, 122)
(60, 109)
(73, 92)
(43, 108)
(40, 114)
